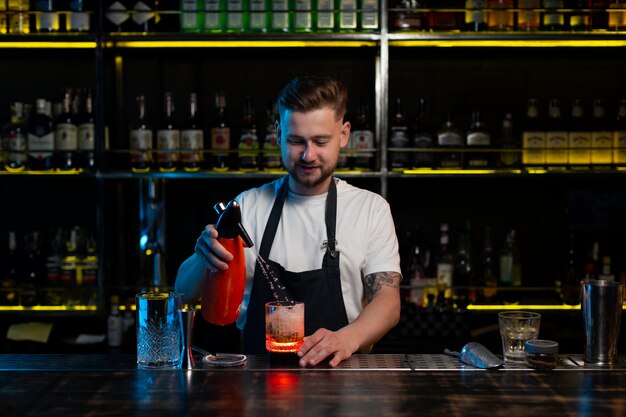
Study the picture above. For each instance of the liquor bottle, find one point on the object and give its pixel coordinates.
(527, 18)
(579, 20)
(86, 134)
(509, 144)
(463, 273)
(220, 135)
(140, 138)
(78, 19)
(90, 265)
(478, 138)
(236, 19)
(368, 21)
(347, 15)
(423, 138)
(533, 137)
(445, 263)
(4, 29)
(34, 270)
(446, 19)
(556, 137)
(572, 274)
(510, 266)
(280, 15)
(599, 15)
(449, 137)
(617, 19)
(143, 16)
(417, 270)
(192, 138)
(47, 18)
(248, 139)
(53, 262)
(18, 19)
(114, 324)
(362, 139)
(398, 139)
(601, 137)
(214, 15)
(40, 142)
(66, 134)
(619, 135)
(579, 137)
(270, 146)
(301, 16)
(117, 16)
(15, 138)
(404, 17)
(325, 21)
(11, 271)
(487, 273)
(69, 271)
(259, 16)
(553, 17)
(192, 15)
(168, 137)
(501, 16)
(605, 273)
(475, 16)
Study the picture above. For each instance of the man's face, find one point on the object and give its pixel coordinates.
(310, 144)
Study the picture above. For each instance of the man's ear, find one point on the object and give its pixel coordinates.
(345, 134)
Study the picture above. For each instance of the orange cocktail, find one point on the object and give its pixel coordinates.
(284, 326)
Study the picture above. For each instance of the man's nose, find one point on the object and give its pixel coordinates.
(309, 153)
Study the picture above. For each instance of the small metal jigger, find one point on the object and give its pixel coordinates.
(188, 314)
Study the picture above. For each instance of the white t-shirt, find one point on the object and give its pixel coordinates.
(365, 234)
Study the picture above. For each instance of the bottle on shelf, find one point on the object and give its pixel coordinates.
(86, 134)
(168, 137)
(270, 147)
(528, 19)
(449, 137)
(40, 143)
(220, 135)
(280, 15)
(445, 263)
(556, 137)
(404, 17)
(192, 138)
(79, 18)
(15, 137)
(417, 270)
(599, 14)
(487, 272)
(53, 264)
(214, 15)
(579, 20)
(605, 272)
(423, 138)
(463, 273)
(509, 157)
(553, 18)
(47, 17)
(398, 139)
(301, 16)
(18, 21)
(601, 137)
(325, 21)
(347, 15)
(11, 271)
(117, 16)
(34, 271)
(114, 324)
(617, 15)
(501, 17)
(192, 15)
(579, 137)
(71, 274)
(236, 19)
(533, 137)
(445, 17)
(143, 16)
(141, 140)
(248, 147)
(619, 135)
(259, 15)
(362, 139)
(572, 274)
(66, 134)
(368, 21)
(510, 265)
(478, 138)
(475, 16)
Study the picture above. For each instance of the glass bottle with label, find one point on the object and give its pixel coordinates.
(280, 15)
(450, 137)
(475, 16)
(403, 16)
(40, 142)
(220, 135)
(477, 138)
(168, 137)
(601, 137)
(301, 16)
(143, 16)
(553, 16)
(325, 21)
(271, 148)
(500, 16)
(509, 144)
(347, 15)
(617, 15)
(86, 134)
(579, 137)
(445, 263)
(362, 139)
(117, 16)
(191, 16)
(487, 273)
(533, 137)
(463, 271)
(369, 16)
(141, 139)
(15, 137)
(236, 19)
(527, 18)
(510, 265)
(214, 15)
(34, 270)
(423, 138)
(259, 15)
(18, 19)
(66, 134)
(192, 138)
(579, 20)
(398, 139)
(556, 137)
(10, 271)
(78, 19)
(248, 140)
(619, 135)
(47, 18)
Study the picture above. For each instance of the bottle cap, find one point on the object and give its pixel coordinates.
(541, 346)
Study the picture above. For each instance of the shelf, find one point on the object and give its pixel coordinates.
(221, 175)
(508, 40)
(48, 41)
(502, 172)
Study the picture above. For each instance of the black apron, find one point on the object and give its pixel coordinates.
(319, 289)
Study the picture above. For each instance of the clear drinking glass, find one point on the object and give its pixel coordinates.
(516, 327)
(284, 326)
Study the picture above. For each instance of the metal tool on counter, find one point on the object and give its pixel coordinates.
(188, 314)
(477, 355)
(221, 360)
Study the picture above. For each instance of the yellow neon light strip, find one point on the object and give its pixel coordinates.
(235, 44)
(51, 172)
(48, 45)
(49, 308)
(508, 43)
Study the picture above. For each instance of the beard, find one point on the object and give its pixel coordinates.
(308, 181)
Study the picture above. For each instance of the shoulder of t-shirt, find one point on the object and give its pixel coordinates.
(253, 194)
(350, 191)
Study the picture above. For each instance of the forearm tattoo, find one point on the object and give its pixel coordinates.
(374, 282)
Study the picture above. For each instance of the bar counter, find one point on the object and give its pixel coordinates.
(364, 385)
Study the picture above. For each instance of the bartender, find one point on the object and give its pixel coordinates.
(332, 244)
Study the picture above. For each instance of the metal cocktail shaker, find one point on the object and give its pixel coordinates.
(601, 305)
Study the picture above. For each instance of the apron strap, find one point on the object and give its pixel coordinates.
(331, 217)
(274, 219)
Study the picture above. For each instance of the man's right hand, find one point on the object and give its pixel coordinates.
(212, 251)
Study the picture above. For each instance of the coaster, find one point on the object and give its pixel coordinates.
(224, 360)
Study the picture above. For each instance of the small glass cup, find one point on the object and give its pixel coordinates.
(516, 327)
(284, 326)
(159, 330)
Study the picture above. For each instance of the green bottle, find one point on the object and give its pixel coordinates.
(325, 21)
(214, 15)
(236, 19)
(259, 16)
(369, 15)
(191, 14)
(347, 15)
(280, 15)
(301, 17)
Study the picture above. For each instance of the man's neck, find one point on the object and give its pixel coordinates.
(300, 189)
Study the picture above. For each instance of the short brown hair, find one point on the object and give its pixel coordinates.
(312, 92)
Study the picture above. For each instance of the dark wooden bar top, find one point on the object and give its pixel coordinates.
(366, 385)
